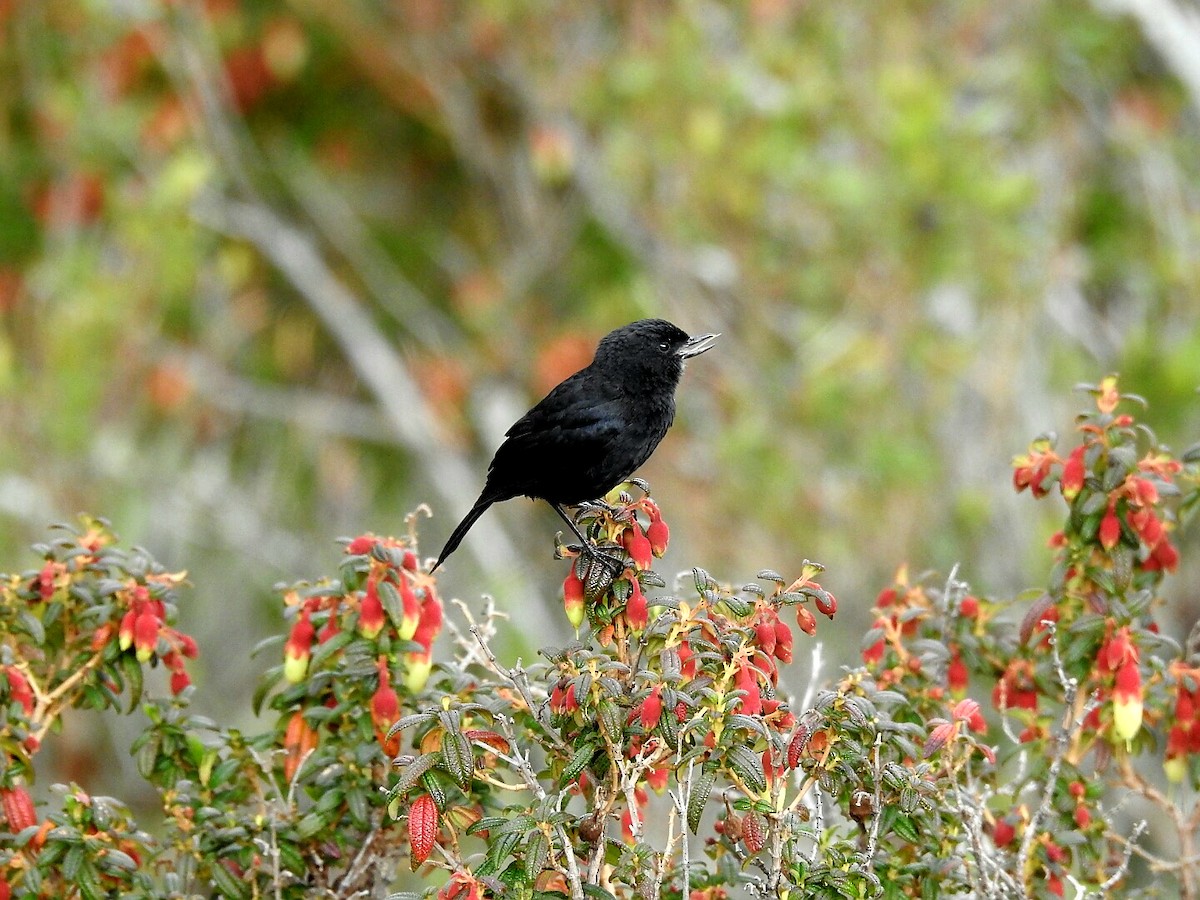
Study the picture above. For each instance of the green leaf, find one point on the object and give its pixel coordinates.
(72, 862)
(611, 721)
(147, 755)
(701, 789)
(389, 596)
(579, 761)
(132, 670)
(88, 887)
(435, 790)
(312, 824)
(270, 678)
(32, 626)
(408, 721)
(536, 852)
(501, 847)
(457, 758)
(324, 651)
(412, 773)
(359, 807)
(748, 766)
(227, 884)
(907, 829)
(115, 860)
(594, 890)
(486, 824)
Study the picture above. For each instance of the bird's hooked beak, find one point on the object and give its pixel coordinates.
(697, 345)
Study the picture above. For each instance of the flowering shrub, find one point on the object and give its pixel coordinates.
(984, 747)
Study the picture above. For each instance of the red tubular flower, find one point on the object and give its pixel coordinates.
(412, 610)
(826, 604)
(1003, 832)
(46, 578)
(637, 545)
(125, 632)
(179, 680)
(371, 618)
(187, 645)
(19, 689)
(956, 674)
(562, 699)
(1144, 490)
(637, 611)
(783, 642)
(1110, 528)
(1016, 688)
(298, 740)
(462, 886)
(1175, 764)
(361, 544)
(658, 533)
(873, 654)
(687, 661)
(331, 628)
(752, 700)
(1071, 481)
(1108, 397)
(1127, 701)
(420, 663)
(1163, 557)
(651, 708)
(657, 778)
(640, 798)
(429, 626)
(573, 596)
(298, 648)
(806, 620)
(385, 709)
(145, 635)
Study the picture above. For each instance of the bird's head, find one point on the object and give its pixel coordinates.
(653, 346)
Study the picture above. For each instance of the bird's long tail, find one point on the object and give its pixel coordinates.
(464, 526)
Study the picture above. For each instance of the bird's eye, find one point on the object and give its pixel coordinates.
(664, 346)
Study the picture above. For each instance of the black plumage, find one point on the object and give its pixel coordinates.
(592, 431)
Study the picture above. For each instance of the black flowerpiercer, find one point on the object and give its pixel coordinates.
(591, 432)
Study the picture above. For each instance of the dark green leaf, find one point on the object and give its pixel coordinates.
(748, 766)
(412, 773)
(132, 670)
(435, 790)
(457, 758)
(579, 761)
(701, 789)
(227, 884)
(536, 852)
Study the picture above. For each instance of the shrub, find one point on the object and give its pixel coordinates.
(658, 755)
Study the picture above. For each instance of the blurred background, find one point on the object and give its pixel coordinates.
(274, 273)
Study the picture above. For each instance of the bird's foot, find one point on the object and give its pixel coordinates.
(598, 506)
(613, 565)
(606, 558)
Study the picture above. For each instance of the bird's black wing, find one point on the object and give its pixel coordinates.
(565, 449)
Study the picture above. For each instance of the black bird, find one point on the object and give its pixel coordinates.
(591, 432)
